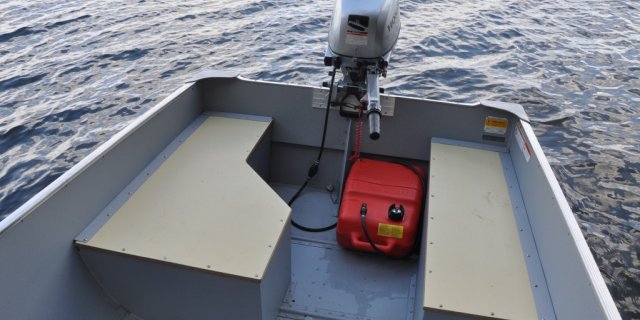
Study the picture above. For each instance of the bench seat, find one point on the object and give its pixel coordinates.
(203, 235)
(474, 265)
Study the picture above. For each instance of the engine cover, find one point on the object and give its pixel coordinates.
(393, 196)
(364, 28)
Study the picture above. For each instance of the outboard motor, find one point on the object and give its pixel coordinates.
(361, 37)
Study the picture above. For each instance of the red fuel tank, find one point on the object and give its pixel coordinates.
(393, 195)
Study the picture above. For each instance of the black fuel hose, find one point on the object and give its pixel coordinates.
(363, 223)
(313, 170)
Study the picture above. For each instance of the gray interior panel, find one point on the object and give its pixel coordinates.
(297, 122)
(569, 285)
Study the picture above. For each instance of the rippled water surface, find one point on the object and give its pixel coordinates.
(72, 73)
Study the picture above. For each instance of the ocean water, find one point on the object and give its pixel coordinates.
(73, 73)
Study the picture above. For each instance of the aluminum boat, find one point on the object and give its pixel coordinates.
(184, 215)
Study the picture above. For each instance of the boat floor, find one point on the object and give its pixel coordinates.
(329, 282)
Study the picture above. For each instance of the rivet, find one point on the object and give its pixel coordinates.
(123, 249)
(492, 313)
(440, 306)
(431, 218)
(209, 266)
(256, 275)
(535, 285)
(430, 271)
(431, 242)
(85, 240)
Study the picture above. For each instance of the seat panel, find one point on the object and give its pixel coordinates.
(474, 262)
(204, 207)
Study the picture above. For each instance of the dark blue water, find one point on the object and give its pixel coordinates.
(72, 73)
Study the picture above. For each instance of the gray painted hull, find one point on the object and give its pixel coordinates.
(44, 277)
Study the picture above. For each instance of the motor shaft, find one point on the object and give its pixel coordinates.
(374, 108)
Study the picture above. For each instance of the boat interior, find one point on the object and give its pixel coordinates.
(184, 215)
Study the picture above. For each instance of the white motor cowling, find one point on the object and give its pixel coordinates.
(365, 29)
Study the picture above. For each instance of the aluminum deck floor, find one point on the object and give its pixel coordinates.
(329, 282)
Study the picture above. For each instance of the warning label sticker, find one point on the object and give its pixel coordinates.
(495, 125)
(390, 230)
(356, 38)
(522, 143)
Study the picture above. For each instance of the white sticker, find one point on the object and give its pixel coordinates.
(522, 142)
(357, 38)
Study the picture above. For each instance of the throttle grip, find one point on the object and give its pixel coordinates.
(374, 125)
